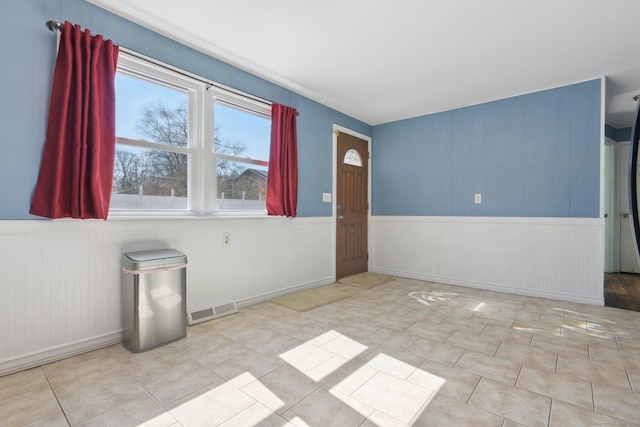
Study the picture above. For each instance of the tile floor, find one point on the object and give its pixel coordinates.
(403, 353)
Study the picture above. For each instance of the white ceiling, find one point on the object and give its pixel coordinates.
(381, 61)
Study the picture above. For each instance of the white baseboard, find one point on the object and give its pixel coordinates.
(9, 366)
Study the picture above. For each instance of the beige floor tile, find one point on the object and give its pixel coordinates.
(622, 359)
(216, 350)
(380, 419)
(557, 386)
(180, 380)
(510, 423)
(634, 379)
(470, 341)
(478, 306)
(627, 344)
(398, 364)
(395, 397)
(257, 415)
(55, 420)
(463, 324)
(210, 406)
(612, 401)
(80, 404)
(527, 355)
(509, 335)
(453, 382)
(519, 314)
(31, 406)
(567, 415)
(537, 328)
(593, 371)
(279, 390)
(142, 364)
(492, 319)
(437, 351)
(245, 368)
(305, 357)
(392, 338)
(197, 335)
(82, 370)
(521, 406)
(350, 348)
(346, 350)
(433, 331)
(495, 368)
(325, 407)
(589, 337)
(445, 411)
(144, 411)
(393, 321)
(342, 374)
(20, 382)
(560, 346)
(356, 327)
(270, 342)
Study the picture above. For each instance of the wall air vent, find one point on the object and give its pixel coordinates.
(202, 314)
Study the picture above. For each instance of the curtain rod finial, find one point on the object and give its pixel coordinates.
(54, 25)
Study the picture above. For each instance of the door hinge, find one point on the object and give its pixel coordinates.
(367, 257)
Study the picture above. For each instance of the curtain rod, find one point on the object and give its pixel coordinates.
(57, 26)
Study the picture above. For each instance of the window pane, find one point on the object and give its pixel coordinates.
(150, 112)
(352, 157)
(149, 179)
(241, 186)
(242, 134)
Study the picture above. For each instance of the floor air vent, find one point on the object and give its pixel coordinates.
(202, 314)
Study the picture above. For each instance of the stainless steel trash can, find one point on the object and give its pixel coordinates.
(153, 298)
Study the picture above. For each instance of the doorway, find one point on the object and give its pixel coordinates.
(628, 259)
(351, 204)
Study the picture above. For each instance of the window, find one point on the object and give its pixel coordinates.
(241, 147)
(352, 157)
(174, 157)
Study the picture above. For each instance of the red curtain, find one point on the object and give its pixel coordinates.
(282, 178)
(76, 171)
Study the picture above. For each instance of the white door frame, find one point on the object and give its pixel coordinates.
(611, 229)
(336, 130)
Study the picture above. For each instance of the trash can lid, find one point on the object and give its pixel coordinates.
(158, 258)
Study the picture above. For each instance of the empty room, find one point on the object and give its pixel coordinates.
(410, 213)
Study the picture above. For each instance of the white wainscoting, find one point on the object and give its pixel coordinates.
(557, 258)
(60, 280)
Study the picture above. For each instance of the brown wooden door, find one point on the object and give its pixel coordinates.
(351, 205)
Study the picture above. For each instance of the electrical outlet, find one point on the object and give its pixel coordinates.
(478, 198)
(226, 239)
(326, 197)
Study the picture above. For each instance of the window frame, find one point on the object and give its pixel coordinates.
(202, 170)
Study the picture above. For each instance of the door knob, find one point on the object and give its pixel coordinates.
(340, 216)
(625, 215)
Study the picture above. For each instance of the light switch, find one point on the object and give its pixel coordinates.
(478, 198)
(326, 197)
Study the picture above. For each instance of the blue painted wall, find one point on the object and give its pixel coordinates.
(28, 49)
(535, 155)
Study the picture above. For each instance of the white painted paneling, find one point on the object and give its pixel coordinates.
(558, 258)
(60, 280)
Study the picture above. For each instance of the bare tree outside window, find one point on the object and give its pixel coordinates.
(159, 172)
